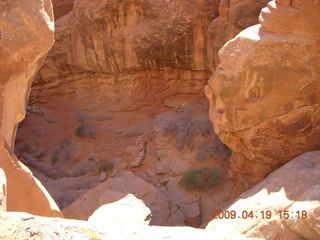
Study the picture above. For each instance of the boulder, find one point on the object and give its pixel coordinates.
(264, 96)
(128, 210)
(3, 191)
(26, 36)
(234, 16)
(163, 211)
(285, 205)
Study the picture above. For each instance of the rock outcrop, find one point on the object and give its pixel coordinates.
(3, 191)
(113, 37)
(285, 205)
(116, 188)
(127, 211)
(26, 35)
(264, 95)
(234, 16)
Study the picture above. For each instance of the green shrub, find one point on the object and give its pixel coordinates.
(203, 178)
(54, 158)
(80, 131)
(104, 166)
(85, 130)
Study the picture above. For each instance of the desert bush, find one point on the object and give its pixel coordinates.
(54, 158)
(195, 134)
(61, 152)
(84, 130)
(104, 166)
(203, 178)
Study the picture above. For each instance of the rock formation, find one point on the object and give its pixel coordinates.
(26, 35)
(121, 73)
(285, 205)
(234, 16)
(264, 96)
(163, 211)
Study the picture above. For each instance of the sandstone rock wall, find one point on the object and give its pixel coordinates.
(265, 93)
(26, 35)
(113, 37)
(131, 75)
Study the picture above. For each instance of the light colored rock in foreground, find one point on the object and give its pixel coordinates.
(264, 95)
(163, 211)
(25, 226)
(128, 210)
(3, 191)
(293, 188)
(26, 36)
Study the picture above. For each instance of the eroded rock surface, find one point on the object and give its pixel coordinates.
(234, 16)
(292, 196)
(26, 35)
(163, 211)
(265, 94)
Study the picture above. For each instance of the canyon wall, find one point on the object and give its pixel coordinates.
(264, 95)
(124, 83)
(24, 44)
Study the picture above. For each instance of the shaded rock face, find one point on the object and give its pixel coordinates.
(234, 16)
(62, 7)
(265, 94)
(113, 37)
(289, 195)
(24, 42)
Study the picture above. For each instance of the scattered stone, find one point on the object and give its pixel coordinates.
(103, 177)
(162, 167)
(123, 166)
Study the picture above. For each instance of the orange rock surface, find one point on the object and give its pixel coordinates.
(26, 35)
(265, 93)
